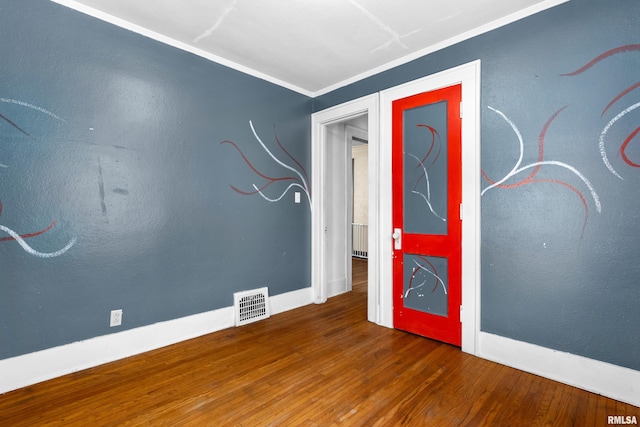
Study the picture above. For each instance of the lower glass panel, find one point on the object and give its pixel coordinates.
(426, 284)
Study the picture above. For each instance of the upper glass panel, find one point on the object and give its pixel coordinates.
(425, 169)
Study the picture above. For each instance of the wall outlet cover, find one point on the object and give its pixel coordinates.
(116, 318)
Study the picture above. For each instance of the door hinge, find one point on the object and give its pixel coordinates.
(460, 211)
(461, 110)
(460, 314)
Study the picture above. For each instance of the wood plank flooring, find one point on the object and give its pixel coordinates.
(320, 365)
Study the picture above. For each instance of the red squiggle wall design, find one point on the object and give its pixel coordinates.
(623, 149)
(299, 179)
(536, 166)
(28, 235)
(620, 115)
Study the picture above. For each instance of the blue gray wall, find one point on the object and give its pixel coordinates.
(114, 171)
(559, 244)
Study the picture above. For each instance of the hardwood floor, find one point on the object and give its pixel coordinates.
(319, 365)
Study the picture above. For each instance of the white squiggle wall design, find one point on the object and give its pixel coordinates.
(300, 180)
(20, 239)
(605, 56)
(601, 142)
(31, 106)
(304, 185)
(32, 251)
(517, 168)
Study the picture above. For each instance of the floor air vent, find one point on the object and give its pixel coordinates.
(251, 306)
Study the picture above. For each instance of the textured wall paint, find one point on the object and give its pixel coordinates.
(559, 247)
(117, 138)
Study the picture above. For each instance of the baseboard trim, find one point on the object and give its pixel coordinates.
(28, 369)
(336, 287)
(603, 378)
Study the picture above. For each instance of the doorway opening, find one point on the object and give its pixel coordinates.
(333, 209)
(345, 202)
(358, 139)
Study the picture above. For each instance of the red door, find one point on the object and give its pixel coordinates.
(427, 195)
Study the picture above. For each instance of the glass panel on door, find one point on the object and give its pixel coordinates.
(425, 284)
(425, 169)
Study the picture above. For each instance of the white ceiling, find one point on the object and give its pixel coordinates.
(311, 46)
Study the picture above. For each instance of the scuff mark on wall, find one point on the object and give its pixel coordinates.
(14, 125)
(103, 205)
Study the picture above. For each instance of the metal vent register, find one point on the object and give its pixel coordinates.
(251, 306)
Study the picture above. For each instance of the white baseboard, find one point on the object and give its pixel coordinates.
(603, 378)
(291, 300)
(32, 368)
(336, 287)
(609, 380)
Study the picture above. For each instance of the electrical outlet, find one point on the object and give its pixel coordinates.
(116, 318)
